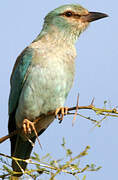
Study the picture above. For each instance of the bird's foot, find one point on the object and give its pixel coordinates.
(60, 112)
(28, 126)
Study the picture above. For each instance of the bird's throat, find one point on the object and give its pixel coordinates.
(58, 36)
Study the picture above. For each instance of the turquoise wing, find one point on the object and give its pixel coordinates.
(18, 77)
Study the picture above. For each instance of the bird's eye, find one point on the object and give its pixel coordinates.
(68, 14)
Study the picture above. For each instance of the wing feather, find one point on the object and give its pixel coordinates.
(18, 77)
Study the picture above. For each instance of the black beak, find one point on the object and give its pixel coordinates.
(93, 16)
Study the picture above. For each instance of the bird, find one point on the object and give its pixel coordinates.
(43, 75)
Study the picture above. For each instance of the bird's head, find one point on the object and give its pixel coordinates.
(71, 19)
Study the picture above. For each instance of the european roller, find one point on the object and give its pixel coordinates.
(43, 75)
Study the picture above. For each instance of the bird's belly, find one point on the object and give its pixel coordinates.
(43, 91)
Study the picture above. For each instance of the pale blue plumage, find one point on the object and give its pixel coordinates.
(46, 86)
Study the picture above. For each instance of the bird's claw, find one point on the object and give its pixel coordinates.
(28, 126)
(60, 112)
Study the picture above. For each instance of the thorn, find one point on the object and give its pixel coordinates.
(37, 137)
(92, 102)
(77, 105)
(29, 141)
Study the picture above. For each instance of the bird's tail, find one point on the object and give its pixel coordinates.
(11, 128)
(22, 151)
(20, 148)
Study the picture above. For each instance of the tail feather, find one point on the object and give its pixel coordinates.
(22, 150)
(19, 148)
(11, 128)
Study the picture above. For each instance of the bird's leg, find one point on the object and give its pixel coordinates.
(60, 112)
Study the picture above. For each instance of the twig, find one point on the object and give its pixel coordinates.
(101, 111)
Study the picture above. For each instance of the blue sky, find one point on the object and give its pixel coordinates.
(96, 76)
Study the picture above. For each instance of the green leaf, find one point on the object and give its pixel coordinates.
(46, 156)
(68, 152)
(64, 142)
(35, 157)
(74, 166)
(7, 169)
(84, 177)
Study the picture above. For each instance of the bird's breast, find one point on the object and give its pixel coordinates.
(46, 87)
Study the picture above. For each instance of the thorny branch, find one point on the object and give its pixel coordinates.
(99, 111)
(69, 165)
